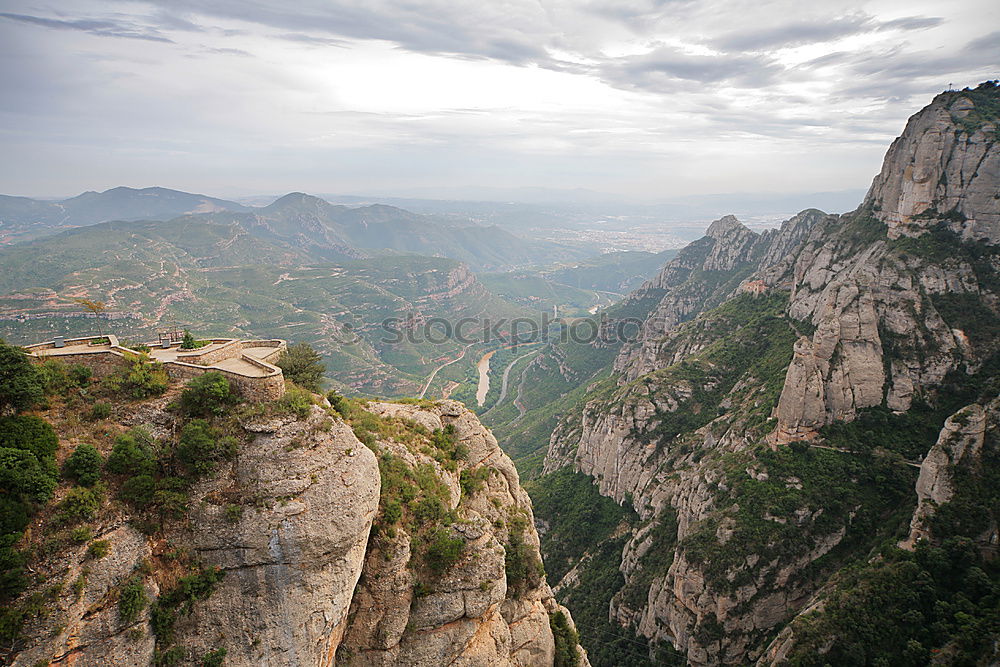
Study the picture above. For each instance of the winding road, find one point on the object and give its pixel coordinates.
(430, 379)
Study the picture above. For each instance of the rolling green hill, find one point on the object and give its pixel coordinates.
(218, 279)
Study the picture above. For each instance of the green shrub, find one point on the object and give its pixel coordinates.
(79, 375)
(142, 378)
(447, 441)
(443, 550)
(28, 477)
(429, 510)
(55, 376)
(132, 454)
(179, 600)
(521, 563)
(202, 446)
(78, 586)
(138, 491)
(132, 600)
(566, 640)
(208, 394)
(30, 433)
(234, 513)
(137, 347)
(22, 385)
(98, 411)
(214, 658)
(169, 658)
(170, 504)
(84, 465)
(98, 549)
(81, 534)
(23, 479)
(80, 504)
(301, 364)
(189, 342)
(472, 480)
(296, 401)
(338, 403)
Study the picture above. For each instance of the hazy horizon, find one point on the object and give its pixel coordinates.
(644, 100)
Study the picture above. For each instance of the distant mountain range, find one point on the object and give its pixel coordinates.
(21, 217)
(298, 221)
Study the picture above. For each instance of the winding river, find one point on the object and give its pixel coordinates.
(484, 377)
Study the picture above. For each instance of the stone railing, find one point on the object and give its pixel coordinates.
(268, 387)
(221, 348)
(105, 359)
(70, 342)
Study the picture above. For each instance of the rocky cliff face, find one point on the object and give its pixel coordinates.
(963, 454)
(881, 308)
(703, 275)
(960, 442)
(276, 560)
(943, 168)
(476, 612)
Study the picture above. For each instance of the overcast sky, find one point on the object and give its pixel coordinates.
(645, 98)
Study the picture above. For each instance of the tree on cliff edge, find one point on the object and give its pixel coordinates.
(21, 384)
(302, 365)
(95, 307)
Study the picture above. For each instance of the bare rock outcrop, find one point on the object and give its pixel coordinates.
(90, 632)
(962, 436)
(944, 167)
(880, 319)
(293, 556)
(470, 614)
(283, 536)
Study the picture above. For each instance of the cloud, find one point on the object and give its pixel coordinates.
(312, 39)
(911, 23)
(509, 31)
(793, 34)
(661, 70)
(574, 93)
(101, 28)
(228, 52)
(898, 73)
(816, 31)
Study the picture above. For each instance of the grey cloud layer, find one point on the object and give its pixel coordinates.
(524, 32)
(202, 76)
(102, 28)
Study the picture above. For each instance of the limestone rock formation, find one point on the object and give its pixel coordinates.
(961, 440)
(944, 167)
(703, 275)
(90, 633)
(293, 573)
(291, 559)
(884, 304)
(471, 614)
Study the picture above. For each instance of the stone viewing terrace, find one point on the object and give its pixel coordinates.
(248, 364)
